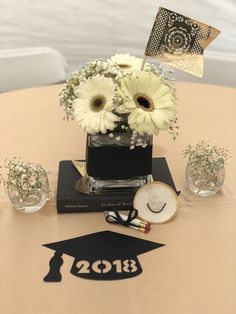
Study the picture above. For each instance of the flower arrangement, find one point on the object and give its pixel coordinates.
(22, 177)
(206, 166)
(116, 96)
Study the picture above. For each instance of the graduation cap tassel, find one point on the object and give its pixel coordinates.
(55, 264)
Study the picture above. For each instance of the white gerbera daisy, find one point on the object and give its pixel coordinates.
(126, 62)
(150, 102)
(93, 108)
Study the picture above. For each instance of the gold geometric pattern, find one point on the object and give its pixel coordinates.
(179, 41)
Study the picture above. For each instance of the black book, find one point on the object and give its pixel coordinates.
(70, 200)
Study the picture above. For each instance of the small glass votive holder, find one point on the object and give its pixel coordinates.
(27, 186)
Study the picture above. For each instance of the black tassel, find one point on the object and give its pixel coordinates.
(55, 264)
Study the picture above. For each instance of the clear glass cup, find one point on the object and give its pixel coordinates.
(204, 183)
(30, 201)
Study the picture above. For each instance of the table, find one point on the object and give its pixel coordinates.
(194, 273)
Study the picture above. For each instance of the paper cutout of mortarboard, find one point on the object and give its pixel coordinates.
(104, 255)
(180, 41)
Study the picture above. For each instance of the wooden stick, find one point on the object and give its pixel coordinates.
(144, 60)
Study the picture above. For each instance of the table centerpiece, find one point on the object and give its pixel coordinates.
(120, 107)
(123, 101)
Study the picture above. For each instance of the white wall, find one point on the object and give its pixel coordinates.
(83, 30)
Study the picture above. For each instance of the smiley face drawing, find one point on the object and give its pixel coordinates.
(156, 202)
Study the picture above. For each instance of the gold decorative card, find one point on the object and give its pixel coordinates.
(180, 41)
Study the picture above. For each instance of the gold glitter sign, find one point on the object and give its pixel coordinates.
(180, 41)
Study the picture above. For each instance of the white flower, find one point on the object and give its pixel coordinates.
(150, 102)
(126, 62)
(93, 109)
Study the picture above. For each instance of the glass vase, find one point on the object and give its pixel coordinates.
(31, 200)
(118, 161)
(204, 183)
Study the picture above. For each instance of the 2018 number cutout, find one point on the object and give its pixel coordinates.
(103, 266)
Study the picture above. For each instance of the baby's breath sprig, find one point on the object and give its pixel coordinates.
(25, 178)
(173, 129)
(206, 161)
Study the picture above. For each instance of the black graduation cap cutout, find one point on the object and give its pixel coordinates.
(104, 255)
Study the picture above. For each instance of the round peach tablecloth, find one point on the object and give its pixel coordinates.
(194, 273)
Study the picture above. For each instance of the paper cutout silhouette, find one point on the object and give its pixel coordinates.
(104, 255)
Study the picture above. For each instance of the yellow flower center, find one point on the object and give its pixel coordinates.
(124, 65)
(144, 102)
(97, 103)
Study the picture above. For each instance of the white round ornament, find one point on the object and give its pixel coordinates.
(156, 202)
